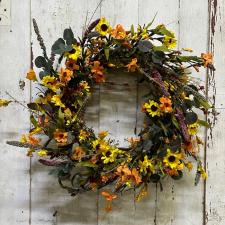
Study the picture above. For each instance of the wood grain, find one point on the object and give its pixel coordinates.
(50, 203)
(36, 198)
(14, 120)
(215, 196)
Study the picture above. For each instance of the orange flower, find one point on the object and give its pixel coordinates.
(136, 176)
(119, 32)
(132, 66)
(123, 172)
(97, 71)
(207, 58)
(133, 141)
(31, 75)
(60, 136)
(32, 140)
(71, 65)
(108, 196)
(171, 172)
(78, 153)
(166, 105)
(65, 75)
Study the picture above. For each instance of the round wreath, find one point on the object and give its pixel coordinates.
(168, 141)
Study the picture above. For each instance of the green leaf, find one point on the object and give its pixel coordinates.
(40, 62)
(42, 74)
(204, 123)
(161, 29)
(93, 34)
(158, 57)
(69, 36)
(106, 50)
(161, 48)
(154, 178)
(203, 102)
(144, 45)
(191, 117)
(59, 46)
(149, 25)
(33, 106)
(33, 121)
(132, 29)
(86, 164)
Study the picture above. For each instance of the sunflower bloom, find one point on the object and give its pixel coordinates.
(119, 32)
(60, 136)
(51, 83)
(75, 53)
(152, 108)
(173, 160)
(166, 104)
(103, 27)
(193, 128)
(207, 58)
(97, 71)
(132, 66)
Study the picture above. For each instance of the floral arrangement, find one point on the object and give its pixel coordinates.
(85, 161)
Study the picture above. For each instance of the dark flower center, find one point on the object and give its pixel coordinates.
(154, 108)
(104, 27)
(72, 51)
(172, 158)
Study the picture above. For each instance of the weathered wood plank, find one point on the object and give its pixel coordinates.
(161, 206)
(56, 16)
(215, 196)
(14, 120)
(118, 109)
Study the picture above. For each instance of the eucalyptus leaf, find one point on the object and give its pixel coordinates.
(40, 62)
(144, 45)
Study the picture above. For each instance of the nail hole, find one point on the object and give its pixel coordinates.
(5, 10)
(0, 18)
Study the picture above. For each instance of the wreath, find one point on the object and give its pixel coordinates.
(84, 161)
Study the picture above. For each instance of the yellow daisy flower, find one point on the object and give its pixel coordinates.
(146, 164)
(57, 101)
(193, 128)
(83, 135)
(110, 155)
(173, 160)
(84, 85)
(4, 102)
(103, 27)
(169, 42)
(152, 108)
(42, 153)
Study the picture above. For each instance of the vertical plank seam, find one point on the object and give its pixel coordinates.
(99, 94)
(210, 81)
(30, 98)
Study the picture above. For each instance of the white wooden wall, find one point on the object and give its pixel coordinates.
(28, 195)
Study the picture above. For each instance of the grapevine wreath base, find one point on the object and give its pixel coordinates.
(85, 161)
